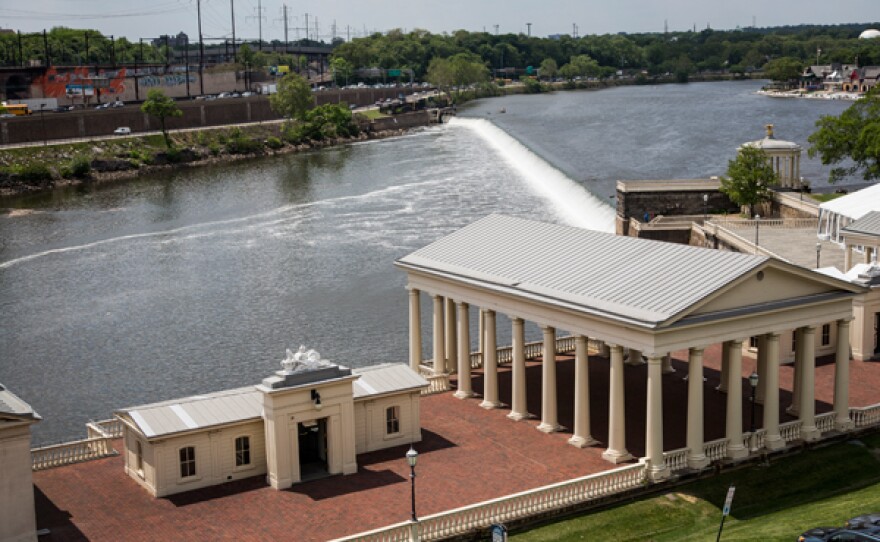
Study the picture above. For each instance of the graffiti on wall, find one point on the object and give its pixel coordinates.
(167, 80)
(80, 81)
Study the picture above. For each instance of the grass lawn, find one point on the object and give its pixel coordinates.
(822, 198)
(820, 487)
(372, 114)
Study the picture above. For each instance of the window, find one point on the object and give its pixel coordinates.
(139, 457)
(753, 342)
(826, 334)
(794, 341)
(242, 451)
(187, 462)
(392, 420)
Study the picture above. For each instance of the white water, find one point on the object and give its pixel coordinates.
(571, 202)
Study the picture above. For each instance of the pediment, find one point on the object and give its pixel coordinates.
(773, 283)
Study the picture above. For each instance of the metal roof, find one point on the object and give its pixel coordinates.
(11, 406)
(643, 281)
(196, 412)
(868, 224)
(856, 204)
(384, 379)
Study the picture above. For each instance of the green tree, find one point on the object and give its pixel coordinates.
(853, 136)
(784, 69)
(749, 178)
(342, 70)
(294, 97)
(548, 68)
(161, 106)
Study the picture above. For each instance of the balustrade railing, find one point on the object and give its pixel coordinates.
(676, 460)
(436, 383)
(790, 431)
(511, 507)
(825, 422)
(66, 453)
(532, 350)
(105, 428)
(865, 416)
(715, 450)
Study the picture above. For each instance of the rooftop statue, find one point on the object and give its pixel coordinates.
(302, 360)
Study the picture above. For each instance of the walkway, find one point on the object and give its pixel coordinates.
(468, 455)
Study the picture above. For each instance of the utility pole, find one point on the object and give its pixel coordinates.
(201, 49)
(259, 18)
(307, 27)
(232, 13)
(496, 29)
(347, 32)
(529, 26)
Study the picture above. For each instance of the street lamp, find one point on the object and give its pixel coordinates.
(753, 382)
(818, 253)
(411, 457)
(705, 208)
(757, 224)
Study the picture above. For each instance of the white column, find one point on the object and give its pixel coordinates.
(725, 365)
(415, 330)
(807, 416)
(735, 448)
(657, 469)
(667, 364)
(797, 372)
(465, 388)
(481, 325)
(490, 364)
(842, 421)
(581, 437)
(772, 438)
(518, 410)
(847, 258)
(451, 342)
(696, 455)
(439, 341)
(761, 369)
(616, 452)
(634, 357)
(549, 423)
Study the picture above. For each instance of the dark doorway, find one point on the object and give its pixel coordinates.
(876, 333)
(312, 449)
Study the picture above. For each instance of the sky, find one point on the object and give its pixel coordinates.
(146, 19)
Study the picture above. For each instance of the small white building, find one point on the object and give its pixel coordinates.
(784, 157)
(308, 420)
(17, 519)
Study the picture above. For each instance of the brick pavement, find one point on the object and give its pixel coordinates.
(467, 455)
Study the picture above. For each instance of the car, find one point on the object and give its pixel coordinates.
(223, 95)
(864, 521)
(248, 94)
(829, 534)
(7, 115)
(118, 103)
(63, 108)
(122, 130)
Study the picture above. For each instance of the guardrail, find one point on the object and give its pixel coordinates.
(66, 453)
(865, 416)
(511, 507)
(532, 350)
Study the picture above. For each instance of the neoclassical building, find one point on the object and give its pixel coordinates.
(784, 157)
(17, 520)
(627, 294)
(308, 420)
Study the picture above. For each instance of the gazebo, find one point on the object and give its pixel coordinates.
(623, 293)
(784, 156)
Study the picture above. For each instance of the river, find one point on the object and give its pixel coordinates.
(197, 280)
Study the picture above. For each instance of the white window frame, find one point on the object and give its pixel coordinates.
(392, 419)
(181, 461)
(249, 450)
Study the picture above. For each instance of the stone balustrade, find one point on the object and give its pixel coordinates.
(790, 431)
(715, 450)
(865, 416)
(533, 350)
(66, 453)
(676, 460)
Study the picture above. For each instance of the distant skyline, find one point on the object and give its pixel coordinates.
(138, 19)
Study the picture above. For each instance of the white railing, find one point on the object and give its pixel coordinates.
(511, 507)
(676, 460)
(533, 350)
(71, 452)
(825, 422)
(737, 241)
(105, 428)
(790, 431)
(754, 441)
(865, 416)
(436, 383)
(715, 450)
(741, 223)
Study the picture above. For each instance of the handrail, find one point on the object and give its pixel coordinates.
(66, 453)
(676, 460)
(865, 416)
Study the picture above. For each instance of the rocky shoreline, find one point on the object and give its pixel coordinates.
(103, 170)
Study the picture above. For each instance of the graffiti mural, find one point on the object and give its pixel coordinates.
(81, 81)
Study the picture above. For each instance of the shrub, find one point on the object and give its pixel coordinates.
(34, 172)
(274, 143)
(243, 145)
(214, 148)
(80, 167)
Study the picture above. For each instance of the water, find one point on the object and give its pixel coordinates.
(197, 281)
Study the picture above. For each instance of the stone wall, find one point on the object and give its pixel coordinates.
(648, 199)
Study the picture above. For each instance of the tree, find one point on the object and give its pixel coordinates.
(548, 68)
(341, 69)
(749, 178)
(783, 69)
(853, 136)
(294, 97)
(161, 106)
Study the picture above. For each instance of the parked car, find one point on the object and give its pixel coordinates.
(118, 103)
(841, 535)
(122, 130)
(865, 521)
(248, 94)
(63, 108)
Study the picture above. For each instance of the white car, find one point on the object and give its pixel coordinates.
(122, 130)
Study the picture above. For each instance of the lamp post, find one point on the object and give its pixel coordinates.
(705, 208)
(753, 382)
(757, 225)
(818, 253)
(412, 457)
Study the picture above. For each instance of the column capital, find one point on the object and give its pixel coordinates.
(736, 343)
(515, 319)
(413, 290)
(655, 358)
(772, 336)
(844, 321)
(437, 296)
(462, 303)
(546, 327)
(695, 350)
